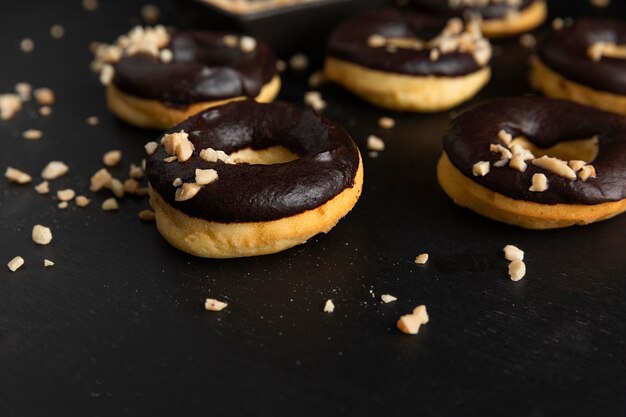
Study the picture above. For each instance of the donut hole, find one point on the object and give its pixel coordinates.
(268, 156)
(578, 149)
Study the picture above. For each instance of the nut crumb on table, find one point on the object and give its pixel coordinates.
(411, 323)
(211, 304)
(329, 306)
(41, 235)
(387, 298)
(17, 176)
(15, 263)
(47, 263)
(421, 259)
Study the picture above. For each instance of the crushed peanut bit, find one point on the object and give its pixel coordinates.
(421, 259)
(316, 79)
(106, 74)
(117, 187)
(211, 304)
(170, 159)
(32, 134)
(329, 306)
(112, 158)
(528, 40)
(315, 100)
(90, 5)
(505, 137)
(10, 104)
(501, 163)
(82, 201)
(151, 147)
(43, 187)
(576, 164)
(178, 144)
(411, 323)
(187, 191)
(110, 204)
(281, 65)
(57, 31)
(504, 152)
(47, 263)
(130, 186)
(27, 45)
(518, 149)
(376, 41)
(45, 111)
(17, 176)
(588, 171)
(231, 41)
(135, 171)
(513, 253)
(24, 90)
(93, 120)
(206, 176)
(518, 163)
(147, 215)
(374, 143)
(517, 270)
(101, 179)
(299, 62)
(606, 49)
(539, 183)
(54, 170)
(556, 166)
(600, 3)
(142, 191)
(166, 56)
(480, 168)
(558, 23)
(63, 205)
(177, 182)
(66, 195)
(15, 263)
(387, 298)
(247, 44)
(372, 154)
(386, 123)
(44, 96)
(41, 235)
(150, 13)
(434, 54)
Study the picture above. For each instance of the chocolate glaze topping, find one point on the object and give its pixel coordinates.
(490, 11)
(328, 163)
(565, 51)
(349, 42)
(545, 123)
(203, 69)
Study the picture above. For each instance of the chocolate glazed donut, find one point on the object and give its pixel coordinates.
(549, 127)
(499, 17)
(253, 208)
(566, 65)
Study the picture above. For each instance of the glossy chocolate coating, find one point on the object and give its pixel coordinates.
(349, 43)
(565, 51)
(203, 69)
(488, 12)
(328, 163)
(544, 122)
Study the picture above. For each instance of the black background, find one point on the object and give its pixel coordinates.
(117, 326)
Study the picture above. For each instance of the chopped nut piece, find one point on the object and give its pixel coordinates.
(63, 205)
(82, 201)
(15, 263)
(212, 304)
(299, 62)
(110, 204)
(10, 104)
(54, 170)
(386, 123)
(101, 179)
(518, 149)
(147, 215)
(135, 171)
(247, 44)
(314, 99)
(44, 96)
(434, 54)
(374, 143)
(528, 40)
(17, 176)
(411, 323)
(57, 31)
(505, 137)
(230, 41)
(387, 298)
(376, 41)
(600, 3)
(558, 23)
(47, 263)
(517, 270)
(576, 165)
(517, 162)
(421, 259)
(480, 168)
(187, 191)
(209, 155)
(166, 56)
(112, 158)
(90, 5)
(45, 111)
(150, 13)
(130, 186)
(206, 176)
(556, 166)
(329, 306)
(151, 147)
(66, 195)
(116, 187)
(106, 74)
(41, 235)
(504, 152)
(177, 182)
(513, 253)
(27, 45)
(93, 120)
(24, 90)
(588, 171)
(281, 65)
(178, 144)
(372, 154)
(170, 159)
(501, 163)
(316, 79)
(539, 183)
(42, 188)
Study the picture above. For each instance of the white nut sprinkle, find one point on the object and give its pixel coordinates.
(576, 164)
(135, 171)
(527, 40)
(386, 123)
(329, 306)
(10, 104)
(45, 111)
(43, 187)
(47, 263)
(247, 44)
(44, 96)
(504, 152)
(82, 201)
(588, 171)
(147, 215)
(15, 263)
(170, 159)
(187, 191)
(130, 186)
(376, 41)
(166, 56)
(57, 31)
(316, 79)
(211, 304)
(374, 143)
(209, 155)
(63, 205)
(24, 90)
(17, 176)
(421, 259)
(177, 182)
(480, 168)
(314, 99)
(116, 187)
(41, 235)
(556, 166)
(281, 65)
(206, 176)
(151, 147)
(387, 298)
(54, 170)
(150, 13)
(27, 45)
(411, 323)
(513, 253)
(517, 270)
(230, 41)
(90, 5)
(518, 163)
(299, 62)
(518, 149)
(112, 158)
(93, 120)
(101, 179)
(539, 183)
(110, 204)
(106, 74)
(32, 134)
(66, 195)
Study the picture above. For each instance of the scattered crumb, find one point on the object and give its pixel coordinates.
(299, 62)
(32, 134)
(177, 182)
(27, 45)
(411, 323)
(45, 111)
(372, 154)
(247, 44)
(54, 170)
(93, 120)
(151, 147)
(166, 56)
(505, 137)
(558, 23)
(150, 13)
(44, 96)
(329, 306)
(135, 171)
(374, 143)
(421, 259)
(206, 176)
(555, 166)
(66, 195)
(10, 104)
(480, 168)
(211, 304)
(586, 172)
(517, 270)
(110, 204)
(47, 263)
(130, 186)
(315, 100)
(112, 158)
(24, 90)
(63, 205)
(316, 79)
(600, 3)
(43, 187)
(41, 235)
(528, 40)
(386, 123)
(281, 65)
(513, 253)
(147, 215)
(17, 176)
(102, 178)
(15, 263)
(187, 191)
(90, 5)
(539, 183)
(82, 201)
(106, 74)
(387, 298)
(57, 31)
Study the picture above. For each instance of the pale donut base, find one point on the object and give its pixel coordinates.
(551, 84)
(154, 114)
(525, 21)
(530, 215)
(210, 239)
(405, 92)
